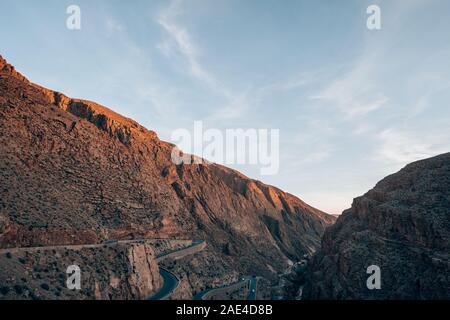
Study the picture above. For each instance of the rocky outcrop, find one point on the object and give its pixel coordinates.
(145, 278)
(6, 68)
(402, 226)
(182, 292)
(122, 271)
(74, 172)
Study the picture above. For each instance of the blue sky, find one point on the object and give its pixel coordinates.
(352, 105)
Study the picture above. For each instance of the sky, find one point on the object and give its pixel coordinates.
(353, 105)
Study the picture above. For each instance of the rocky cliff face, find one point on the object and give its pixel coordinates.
(75, 172)
(123, 271)
(402, 226)
(145, 278)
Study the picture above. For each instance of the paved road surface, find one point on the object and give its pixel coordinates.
(170, 284)
(170, 281)
(195, 243)
(253, 288)
(108, 243)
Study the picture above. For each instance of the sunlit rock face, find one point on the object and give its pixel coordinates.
(403, 227)
(75, 172)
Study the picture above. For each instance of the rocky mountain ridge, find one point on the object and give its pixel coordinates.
(403, 227)
(76, 172)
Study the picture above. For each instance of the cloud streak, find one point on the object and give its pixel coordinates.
(355, 94)
(180, 43)
(402, 147)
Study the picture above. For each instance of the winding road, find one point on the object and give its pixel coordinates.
(196, 246)
(107, 243)
(252, 286)
(170, 284)
(170, 280)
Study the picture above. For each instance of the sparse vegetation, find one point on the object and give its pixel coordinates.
(45, 278)
(45, 286)
(18, 289)
(4, 290)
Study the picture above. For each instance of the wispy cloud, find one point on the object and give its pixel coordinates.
(402, 147)
(436, 84)
(355, 93)
(236, 106)
(180, 43)
(113, 26)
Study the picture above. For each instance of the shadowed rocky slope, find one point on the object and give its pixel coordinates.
(402, 226)
(75, 172)
(119, 272)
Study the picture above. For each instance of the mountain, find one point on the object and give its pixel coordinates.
(403, 227)
(75, 172)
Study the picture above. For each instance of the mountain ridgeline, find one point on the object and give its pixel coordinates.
(75, 172)
(401, 226)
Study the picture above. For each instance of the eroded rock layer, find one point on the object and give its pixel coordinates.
(402, 226)
(75, 172)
